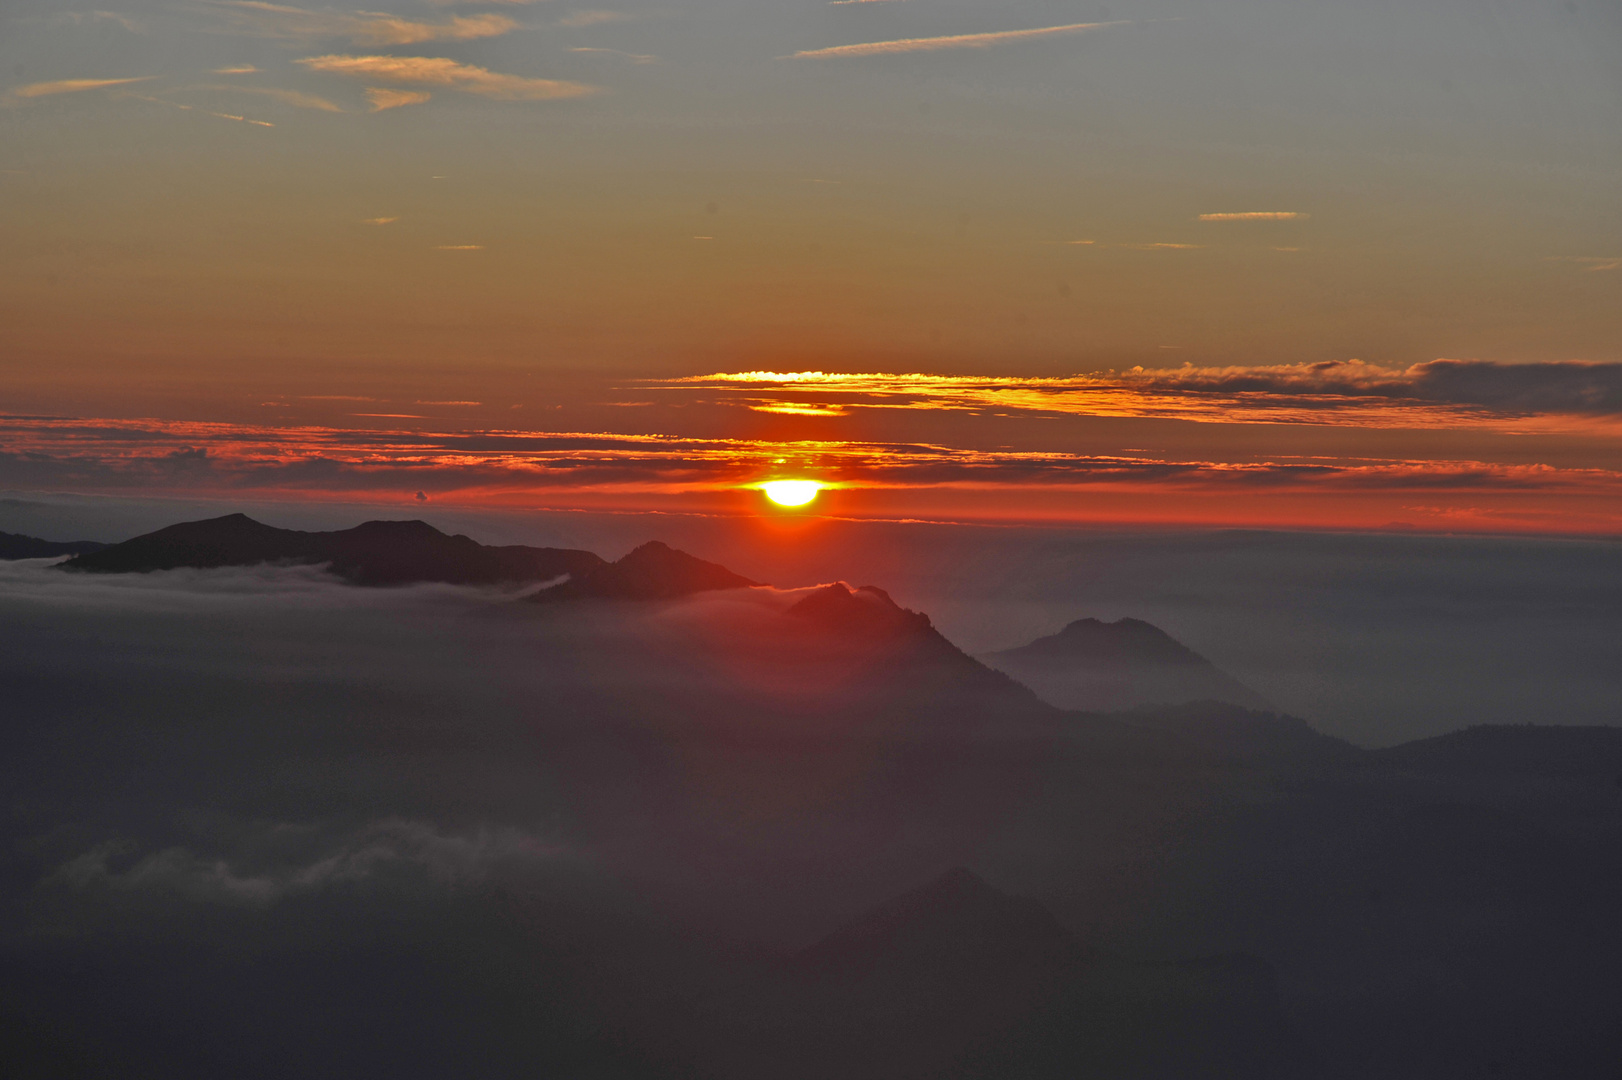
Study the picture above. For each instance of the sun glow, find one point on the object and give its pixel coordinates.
(791, 492)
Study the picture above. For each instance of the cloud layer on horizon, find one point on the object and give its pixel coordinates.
(489, 467)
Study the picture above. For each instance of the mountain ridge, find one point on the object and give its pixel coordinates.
(18, 546)
(373, 553)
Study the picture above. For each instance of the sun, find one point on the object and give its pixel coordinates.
(791, 492)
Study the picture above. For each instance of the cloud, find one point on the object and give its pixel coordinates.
(1438, 393)
(206, 112)
(382, 98)
(70, 86)
(635, 58)
(296, 98)
(456, 247)
(379, 220)
(1590, 262)
(242, 69)
(955, 41)
(82, 18)
(1256, 215)
(480, 464)
(264, 19)
(391, 844)
(442, 72)
(592, 18)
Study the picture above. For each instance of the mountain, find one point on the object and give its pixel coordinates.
(17, 546)
(865, 612)
(654, 571)
(1518, 750)
(1097, 666)
(958, 979)
(373, 553)
(957, 920)
(1220, 731)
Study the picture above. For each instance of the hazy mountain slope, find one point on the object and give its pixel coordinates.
(1104, 667)
(17, 546)
(373, 553)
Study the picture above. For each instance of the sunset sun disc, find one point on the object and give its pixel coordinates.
(791, 492)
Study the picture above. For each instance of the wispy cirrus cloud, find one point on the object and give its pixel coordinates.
(577, 19)
(382, 98)
(1590, 262)
(954, 41)
(262, 19)
(1572, 395)
(438, 71)
(635, 58)
(296, 98)
(1255, 215)
(69, 86)
(92, 18)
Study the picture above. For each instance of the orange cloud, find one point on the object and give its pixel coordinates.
(363, 28)
(442, 72)
(873, 478)
(382, 98)
(70, 86)
(1256, 215)
(1550, 397)
(295, 98)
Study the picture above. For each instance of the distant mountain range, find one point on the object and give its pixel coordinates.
(654, 571)
(957, 979)
(1127, 664)
(373, 553)
(17, 546)
(1214, 891)
(1089, 666)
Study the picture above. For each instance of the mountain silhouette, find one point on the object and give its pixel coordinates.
(17, 546)
(654, 571)
(372, 553)
(864, 612)
(959, 979)
(1516, 750)
(956, 920)
(1097, 666)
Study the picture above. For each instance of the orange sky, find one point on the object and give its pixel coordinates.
(1309, 263)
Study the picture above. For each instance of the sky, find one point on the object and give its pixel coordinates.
(1348, 265)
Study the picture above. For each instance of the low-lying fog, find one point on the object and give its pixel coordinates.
(1375, 638)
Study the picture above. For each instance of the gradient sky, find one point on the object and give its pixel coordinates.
(525, 254)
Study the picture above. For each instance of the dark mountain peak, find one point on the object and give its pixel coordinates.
(225, 525)
(955, 919)
(653, 571)
(17, 546)
(413, 527)
(374, 553)
(1096, 639)
(867, 611)
(1099, 666)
